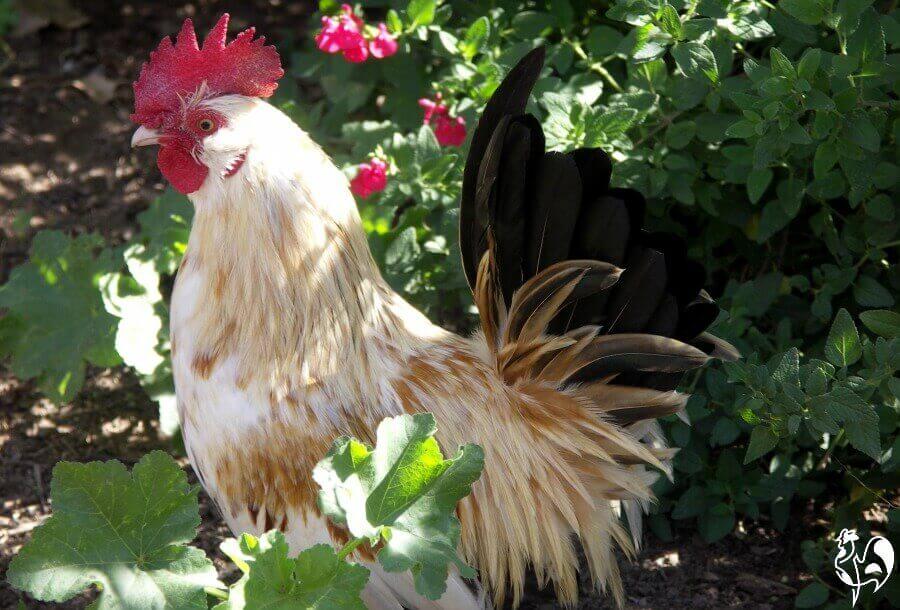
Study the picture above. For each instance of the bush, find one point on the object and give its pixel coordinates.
(764, 135)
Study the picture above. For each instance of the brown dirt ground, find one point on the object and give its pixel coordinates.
(66, 164)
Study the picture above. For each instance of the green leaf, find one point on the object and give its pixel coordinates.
(810, 12)
(669, 21)
(724, 432)
(867, 43)
(404, 492)
(606, 125)
(62, 275)
(679, 135)
(317, 579)
(394, 24)
(860, 130)
(124, 532)
(690, 504)
(809, 63)
(602, 41)
(812, 596)
(781, 65)
(695, 60)
(762, 441)
(165, 226)
(741, 129)
(859, 418)
(420, 12)
(827, 155)
(882, 322)
(842, 348)
(869, 293)
(758, 181)
(475, 38)
(716, 523)
(788, 370)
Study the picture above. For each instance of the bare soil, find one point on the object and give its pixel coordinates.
(66, 164)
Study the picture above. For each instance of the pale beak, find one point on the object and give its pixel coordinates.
(144, 137)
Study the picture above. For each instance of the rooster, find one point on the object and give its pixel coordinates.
(284, 335)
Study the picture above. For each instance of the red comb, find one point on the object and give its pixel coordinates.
(245, 66)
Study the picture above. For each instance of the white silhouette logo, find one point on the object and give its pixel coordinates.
(873, 565)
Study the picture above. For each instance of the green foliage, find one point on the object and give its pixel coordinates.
(125, 533)
(56, 322)
(8, 16)
(317, 578)
(404, 494)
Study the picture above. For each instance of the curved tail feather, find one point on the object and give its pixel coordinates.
(587, 316)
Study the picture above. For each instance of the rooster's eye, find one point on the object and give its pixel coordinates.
(206, 125)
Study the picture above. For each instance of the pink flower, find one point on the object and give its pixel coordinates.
(432, 108)
(383, 45)
(370, 178)
(450, 131)
(357, 53)
(342, 34)
(330, 37)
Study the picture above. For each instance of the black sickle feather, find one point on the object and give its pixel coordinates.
(509, 99)
(538, 210)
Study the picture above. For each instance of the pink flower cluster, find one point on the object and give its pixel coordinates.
(370, 178)
(345, 34)
(449, 131)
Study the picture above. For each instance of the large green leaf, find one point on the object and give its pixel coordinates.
(842, 346)
(316, 579)
(125, 533)
(403, 492)
(165, 226)
(859, 418)
(60, 321)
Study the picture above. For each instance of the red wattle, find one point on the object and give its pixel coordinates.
(180, 168)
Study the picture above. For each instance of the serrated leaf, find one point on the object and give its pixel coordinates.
(317, 579)
(867, 43)
(669, 21)
(842, 346)
(606, 125)
(882, 322)
(762, 441)
(62, 275)
(475, 37)
(695, 60)
(810, 12)
(420, 12)
(781, 65)
(124, 532)
(859, 419)
(404, 491)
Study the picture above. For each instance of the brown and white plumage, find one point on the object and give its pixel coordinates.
(284, 336)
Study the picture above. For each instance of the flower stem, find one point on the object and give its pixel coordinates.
(350, 547)
(217, 593)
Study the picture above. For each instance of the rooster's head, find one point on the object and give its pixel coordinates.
(193, 101)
